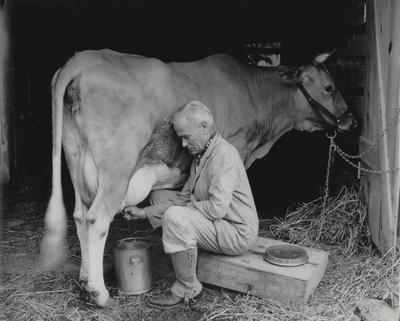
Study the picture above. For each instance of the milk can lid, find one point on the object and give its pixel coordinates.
(286, 255)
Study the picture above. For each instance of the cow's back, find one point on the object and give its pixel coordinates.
(221, 82)
(235, 93)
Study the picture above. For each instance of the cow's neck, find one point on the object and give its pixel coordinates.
(276, 102)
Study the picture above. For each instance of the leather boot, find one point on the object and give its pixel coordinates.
(186, 288)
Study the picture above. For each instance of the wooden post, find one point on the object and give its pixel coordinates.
(381, 94)
(393, 100)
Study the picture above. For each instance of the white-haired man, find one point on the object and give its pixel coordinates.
(214, 211)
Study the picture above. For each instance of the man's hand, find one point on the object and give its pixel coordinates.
(134, 213)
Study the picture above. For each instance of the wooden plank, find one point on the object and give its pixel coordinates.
(351, 46)
(393, 99)
(352, 90)
(371, 126)
(351, 16)
(316, 257)
(250, 273)
(372, 158)
(351, 76)
(356, 104)
(374, 211)
(382, 91)
(6, 106)
(387, 217)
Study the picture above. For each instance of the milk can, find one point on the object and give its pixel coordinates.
(134, 266)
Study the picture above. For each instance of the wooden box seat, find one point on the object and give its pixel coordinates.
(251, 273)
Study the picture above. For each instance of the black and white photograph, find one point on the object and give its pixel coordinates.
(199, 160)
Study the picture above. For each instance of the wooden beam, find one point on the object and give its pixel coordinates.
(351, 46)
(356, 104)
(351, 16)
(393, 99)
(351, 75)
(379, 191)
(371, 159)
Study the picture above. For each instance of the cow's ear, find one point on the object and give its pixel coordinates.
(289, 74)
(321, 58)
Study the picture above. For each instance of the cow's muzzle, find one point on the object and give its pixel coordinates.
(348, 124)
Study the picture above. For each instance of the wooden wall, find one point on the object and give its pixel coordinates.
(4, 98)
(381, 95)
(367, 71)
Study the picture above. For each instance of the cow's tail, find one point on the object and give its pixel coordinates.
(53, 247)
(53, 250)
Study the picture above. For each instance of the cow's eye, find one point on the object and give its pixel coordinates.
(329, 89)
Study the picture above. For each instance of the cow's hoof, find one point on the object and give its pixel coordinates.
(102, 300)
(83, 284)
(113, 292)
(109, 302)
(95, 293)
(86, 297)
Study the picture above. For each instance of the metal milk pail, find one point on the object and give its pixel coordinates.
(134, 266)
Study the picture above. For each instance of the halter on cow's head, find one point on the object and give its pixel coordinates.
(318, 89)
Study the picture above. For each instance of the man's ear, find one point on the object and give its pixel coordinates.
(204, 127)
(289, 75)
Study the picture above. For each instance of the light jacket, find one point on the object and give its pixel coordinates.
(220, 190)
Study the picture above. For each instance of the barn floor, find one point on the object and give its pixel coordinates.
(21, 233)
(22, 229)
(26, 293)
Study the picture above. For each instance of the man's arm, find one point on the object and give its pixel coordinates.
(155, 212)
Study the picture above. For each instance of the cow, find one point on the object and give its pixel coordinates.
(110, 115)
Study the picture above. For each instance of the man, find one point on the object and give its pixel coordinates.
(214, 211)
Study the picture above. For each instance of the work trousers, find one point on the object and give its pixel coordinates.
(184, 227)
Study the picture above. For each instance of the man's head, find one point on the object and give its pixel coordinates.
(193, 124)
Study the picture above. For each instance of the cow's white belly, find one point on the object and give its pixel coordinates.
(145, 179)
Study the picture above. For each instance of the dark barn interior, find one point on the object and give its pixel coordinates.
(44, 34)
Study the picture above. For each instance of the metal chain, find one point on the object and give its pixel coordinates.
(376, 143)
(365, 169)
(347, 156)
(331, 150)
(333, 147)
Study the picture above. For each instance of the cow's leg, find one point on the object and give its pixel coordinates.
(92, 224)
(83, 173)
(81, 228)
(98, 219)
(97, 226)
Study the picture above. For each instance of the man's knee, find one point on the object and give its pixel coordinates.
(177, 231)
(173, 215)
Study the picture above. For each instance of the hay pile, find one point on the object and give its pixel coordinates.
(355, 271)
(340, 222)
